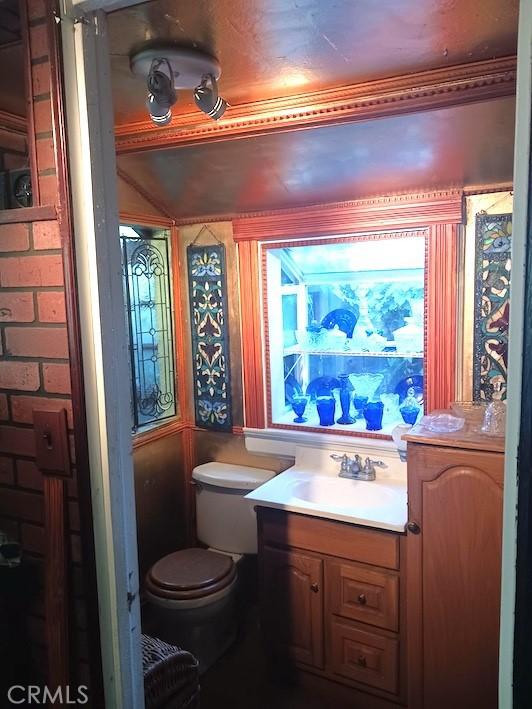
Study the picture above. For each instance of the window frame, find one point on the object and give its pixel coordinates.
(172, 424)
(266, 246)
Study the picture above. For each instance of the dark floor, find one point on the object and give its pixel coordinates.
(242, 678)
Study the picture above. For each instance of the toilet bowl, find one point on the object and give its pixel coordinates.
(191, 592)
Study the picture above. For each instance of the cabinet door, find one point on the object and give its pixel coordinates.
(453, 577)
(292, 601)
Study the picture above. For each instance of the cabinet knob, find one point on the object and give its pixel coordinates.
(362, 599)
(314, 587)
(362, 661)
(413, 527)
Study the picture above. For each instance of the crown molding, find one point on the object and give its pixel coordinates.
(406, 211)
(13, 123)
(422, 91)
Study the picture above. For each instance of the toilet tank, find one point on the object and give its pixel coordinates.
(224, 519)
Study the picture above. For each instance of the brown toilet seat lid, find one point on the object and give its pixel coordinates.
(190, 573)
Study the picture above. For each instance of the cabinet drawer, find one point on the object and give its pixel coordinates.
(367, 595)
(364, 657)
(369, 546)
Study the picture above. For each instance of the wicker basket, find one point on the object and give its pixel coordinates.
(171, 677)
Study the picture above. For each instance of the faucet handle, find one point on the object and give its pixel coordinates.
(369, 463)
(343, 460)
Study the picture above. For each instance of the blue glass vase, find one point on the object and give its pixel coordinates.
(299, 404)
(326, 406)
(345, 400)
(373, 414)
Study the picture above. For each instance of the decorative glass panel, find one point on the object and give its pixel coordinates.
(345, 332)
(492, 304)
(147, 278)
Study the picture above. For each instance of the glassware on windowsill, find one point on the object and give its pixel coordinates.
(373, 415)
(299, 404)
(359, 402)
(391, 408)
(326, 406)
(366, 384)
(410, 408)
(345, 396)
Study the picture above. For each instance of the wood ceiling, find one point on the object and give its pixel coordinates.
(290, 53)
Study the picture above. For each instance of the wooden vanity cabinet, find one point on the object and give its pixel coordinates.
(455, 490)
(331, 596)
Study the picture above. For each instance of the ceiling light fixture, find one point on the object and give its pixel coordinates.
(167, 68)
(207, 99)
(161, 93)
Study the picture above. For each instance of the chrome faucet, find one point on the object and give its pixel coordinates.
(355, 469)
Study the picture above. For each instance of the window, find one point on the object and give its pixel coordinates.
(345, 332)
(147, 279)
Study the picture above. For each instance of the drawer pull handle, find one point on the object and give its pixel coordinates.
(362, 599)
(362, 661)
(314, 587)
(413, 527)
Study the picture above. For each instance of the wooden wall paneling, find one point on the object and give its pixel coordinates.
(442, 302)
(182, 387)
(75, 355)
(189, 455)
(251, 323)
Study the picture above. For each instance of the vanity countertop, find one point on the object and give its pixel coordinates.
(312, 487)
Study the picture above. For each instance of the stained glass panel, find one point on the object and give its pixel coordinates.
(492, 304)
(146, 265)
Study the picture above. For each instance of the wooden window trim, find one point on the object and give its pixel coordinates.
(440, 213)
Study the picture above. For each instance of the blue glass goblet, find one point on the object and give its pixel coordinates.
(299, 404)
(359, 402)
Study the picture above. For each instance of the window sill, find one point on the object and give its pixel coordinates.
(158, 431)
(283, 442)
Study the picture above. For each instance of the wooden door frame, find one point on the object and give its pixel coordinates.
(515, 679)
(92, 171)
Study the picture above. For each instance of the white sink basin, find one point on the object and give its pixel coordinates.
(343, 493)
(381, 503)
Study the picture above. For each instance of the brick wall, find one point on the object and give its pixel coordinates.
(34, 358)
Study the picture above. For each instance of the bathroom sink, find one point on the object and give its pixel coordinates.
(343, 493)
(312, 487)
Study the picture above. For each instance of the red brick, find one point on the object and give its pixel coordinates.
(39, 41)
(45, 154)
(51, 306)
(56, 378)
(32, 538)
(4, 411)
(22, 271)
(19, 375)
(16, 307)
(37, 342)
(41, 78)
(22, 407)
(48, 189)
(46, 235)
(17, 441)
(29, 475)
(14, 237)
(42, 116)
(6, 470)
(24, 505)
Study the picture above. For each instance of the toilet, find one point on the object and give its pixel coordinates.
(191, 593)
